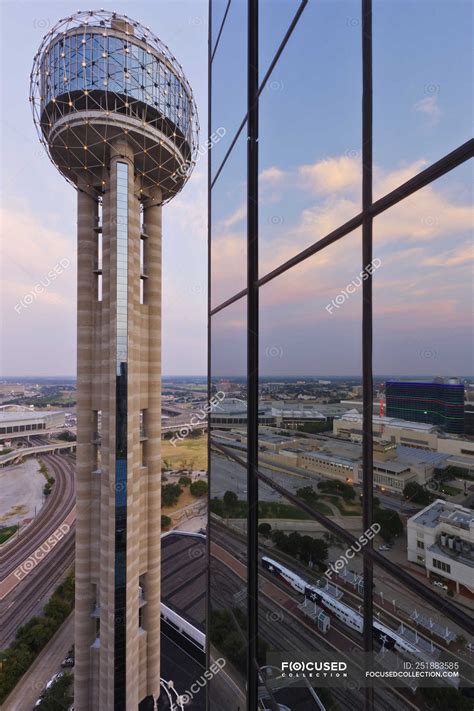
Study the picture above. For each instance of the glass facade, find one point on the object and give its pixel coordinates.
(436, 403)
(339, 242)
(100, 61)
(121, 433)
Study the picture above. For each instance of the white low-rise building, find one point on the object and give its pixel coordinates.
(440, 538)
(23, 424)
(403, 432)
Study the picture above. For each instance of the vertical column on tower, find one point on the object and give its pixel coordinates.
(87, 211)
(152, 298)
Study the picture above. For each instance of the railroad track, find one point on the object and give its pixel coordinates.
(54, 511)
(30, 594)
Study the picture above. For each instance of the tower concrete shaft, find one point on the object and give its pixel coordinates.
(117, 637)
(117, 117)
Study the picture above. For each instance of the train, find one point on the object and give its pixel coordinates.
(349, 617)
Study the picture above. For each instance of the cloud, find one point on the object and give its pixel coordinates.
(452, 258)
(429, 107)
(271, 175)
(332, 175)
(33, 250)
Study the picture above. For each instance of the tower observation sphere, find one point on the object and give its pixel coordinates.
(99, 76)
(118, 119)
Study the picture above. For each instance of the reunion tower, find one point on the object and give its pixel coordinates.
(118, 119)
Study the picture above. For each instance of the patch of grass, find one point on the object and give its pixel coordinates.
(450, 490)
(189, 453)
(266, 509)
(7, 531)
(345, 508)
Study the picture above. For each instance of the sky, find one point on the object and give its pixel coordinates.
(310, 182)
(38, 207)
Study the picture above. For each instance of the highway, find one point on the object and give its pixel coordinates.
(34, 562)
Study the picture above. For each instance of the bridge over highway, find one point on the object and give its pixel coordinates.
(19, 454)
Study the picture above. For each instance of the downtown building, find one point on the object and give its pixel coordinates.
(117, 116)
(305, 190)
(440, 538)
(440, 402)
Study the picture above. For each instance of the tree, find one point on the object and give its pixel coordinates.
(56, 609)
(170, 494)
(347, 491)
(59, 696)
(67, 436)
(294, 543)
(280, 539)
(390, 523)
(185, 480)
(199, 488)
(165, 521)
(308, 494)
(230, 502)
(265, 529)
(417, 493)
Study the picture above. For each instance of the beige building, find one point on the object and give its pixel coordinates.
(411, 434)
(23, 424)
(394, 466)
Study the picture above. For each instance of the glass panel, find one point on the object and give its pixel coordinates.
(228, 509)
(420, 113)
(423, 356)
(229, 227)
(309, 606)
(310, 163)
(275, 17)
(310, 375)
(415, 638)
(229, 80)
(218, 11)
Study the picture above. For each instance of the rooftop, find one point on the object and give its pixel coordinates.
(356, 417)
(444, 512)
(412, 455)
(183, 575)
(33, 415)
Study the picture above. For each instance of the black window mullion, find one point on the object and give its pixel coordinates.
(209, 366)
(252, 350)
(367, 381)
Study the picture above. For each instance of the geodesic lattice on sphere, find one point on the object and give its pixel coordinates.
(99, 76)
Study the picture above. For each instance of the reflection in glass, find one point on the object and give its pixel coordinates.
(228, 508)
(423, 356)
(309, 162)
(422, 76)
(229, 226)
(229, 80)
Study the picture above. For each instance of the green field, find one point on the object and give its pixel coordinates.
(267, 509)
(6, 532)
(450, 490)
